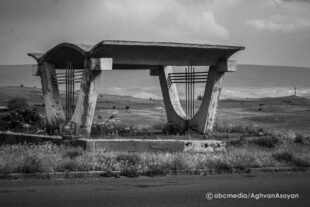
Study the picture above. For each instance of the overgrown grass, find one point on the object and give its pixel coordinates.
(52, 158)
(222, 126)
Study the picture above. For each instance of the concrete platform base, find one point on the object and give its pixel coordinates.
(20, 138)
(119, 145)
(154, 145)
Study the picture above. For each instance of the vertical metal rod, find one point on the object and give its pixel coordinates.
(188, 78)
(186, 92)
(68, 81)
(191, 91)
(68, 109)
(67, 92)
(194, 91)
(73, 87)
(70, 92)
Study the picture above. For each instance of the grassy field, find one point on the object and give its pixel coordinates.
(268, 131)
(289, 113)
(239, 155)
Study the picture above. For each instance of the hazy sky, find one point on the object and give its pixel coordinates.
(274, 32)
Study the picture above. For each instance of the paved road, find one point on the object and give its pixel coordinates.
(158, 191)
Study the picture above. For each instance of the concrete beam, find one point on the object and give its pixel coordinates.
(154, 73)
(227, 66)
(101, 63)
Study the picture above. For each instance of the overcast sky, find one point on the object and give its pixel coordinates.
(274, 32)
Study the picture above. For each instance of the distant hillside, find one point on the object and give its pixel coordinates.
(268, 76)
(250, 81)
(35, 96)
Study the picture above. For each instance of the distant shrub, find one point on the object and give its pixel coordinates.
(130, 171)
(221, 165)
(73, 152)
(73, 165)
(49, 128)
(31, 165)
(170, 128)
(237, 143)
(178, 163)
(159, 125)
(107, 126)
(21, 120)
(17, 103)
(68, 165)
(299, 139)
(130, 159)
(284, 135)
(221, 126)
(113, 114)
(269, 142)
(155, 170)
(298, 162)
(283, 157)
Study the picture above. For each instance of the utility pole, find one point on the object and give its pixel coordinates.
(295, 91)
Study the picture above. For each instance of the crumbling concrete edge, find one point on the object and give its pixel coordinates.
(119, 145)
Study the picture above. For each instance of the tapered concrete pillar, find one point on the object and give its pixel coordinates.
(53, 108)
(204, 119)
(174, 110)
(81, 121)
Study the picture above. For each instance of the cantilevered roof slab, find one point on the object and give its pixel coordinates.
(138, 55)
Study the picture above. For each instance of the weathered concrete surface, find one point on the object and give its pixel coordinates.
(155, 145)
(19, 138)
(174, 111)
(81, 121)
(204, 146)
(119, 145)
(137, 54)
(204, 119)
(53, 108)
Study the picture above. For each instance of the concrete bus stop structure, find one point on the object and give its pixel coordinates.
(158, 57)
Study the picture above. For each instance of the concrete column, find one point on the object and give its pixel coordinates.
(53, 108)
(81, 121)
(204, 119)
(174, 110)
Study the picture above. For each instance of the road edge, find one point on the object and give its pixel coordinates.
(99, 174)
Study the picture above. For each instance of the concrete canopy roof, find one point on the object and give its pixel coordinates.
(137, 55)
